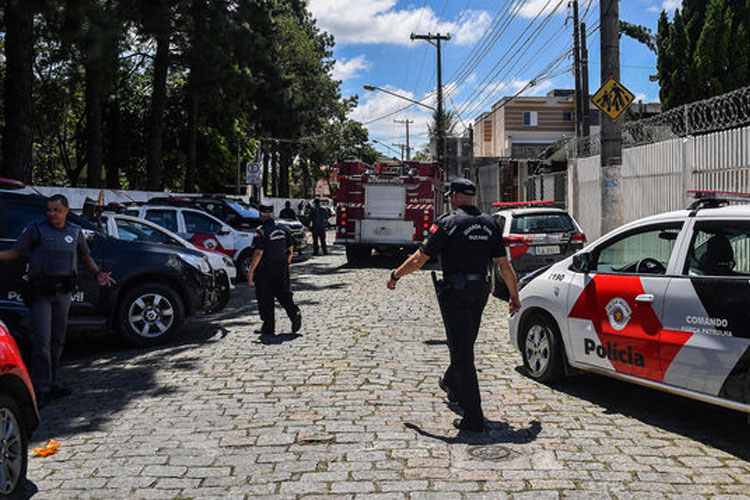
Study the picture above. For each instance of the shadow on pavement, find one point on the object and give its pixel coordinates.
(277, 339)
(434, 342)
(498, 432)
(712, 425)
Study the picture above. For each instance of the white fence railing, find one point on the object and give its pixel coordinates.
(656, 177)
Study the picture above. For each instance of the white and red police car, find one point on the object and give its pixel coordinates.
(662, 302)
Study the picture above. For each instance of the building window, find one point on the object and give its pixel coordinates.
(529, 119)
(567, 116)
(487, 131)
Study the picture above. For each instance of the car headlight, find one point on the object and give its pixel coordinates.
(198, 262)
(228, 262)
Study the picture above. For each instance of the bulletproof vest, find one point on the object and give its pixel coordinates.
(470, 244)
(55, 253)
(275, 251)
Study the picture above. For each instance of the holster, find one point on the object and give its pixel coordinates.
(47, 286)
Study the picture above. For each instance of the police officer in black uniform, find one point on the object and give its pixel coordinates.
(467, 242)
(318, 222)
(269, 272)
(54, 248)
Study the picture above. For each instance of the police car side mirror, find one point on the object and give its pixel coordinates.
(223, 232)
(581, 263)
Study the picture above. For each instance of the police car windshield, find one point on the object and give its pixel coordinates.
(542, 223)
(244, 211)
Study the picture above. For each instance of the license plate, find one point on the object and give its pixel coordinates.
(547, 250)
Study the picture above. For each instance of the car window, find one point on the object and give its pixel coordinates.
(15, 217)
(164, 218)
(137, 231)
(541, 223)
(197, 223)
(719, 248)
(644, 251)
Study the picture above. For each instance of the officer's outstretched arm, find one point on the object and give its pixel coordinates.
(509, 276)
(411, 264)
(11, 254)
(256, 260)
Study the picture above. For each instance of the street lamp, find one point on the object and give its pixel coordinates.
(373, 88)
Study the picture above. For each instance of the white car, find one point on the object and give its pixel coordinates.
(129, 228)
(203, 230)
(662, 302)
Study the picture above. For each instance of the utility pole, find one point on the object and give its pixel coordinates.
(406, 122)
(586, 125)
(400, 146)
(440, 118)
(611, 131)
(577, 72)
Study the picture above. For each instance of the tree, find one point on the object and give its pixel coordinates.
(664, 60)
(18, 89)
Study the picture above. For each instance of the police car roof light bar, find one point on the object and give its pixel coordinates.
(522, 203)
(715, 199)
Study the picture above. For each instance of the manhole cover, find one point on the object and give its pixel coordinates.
(492, 453)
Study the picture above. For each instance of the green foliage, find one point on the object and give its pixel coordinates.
(703, 51)
(638, 33)
(251, 68)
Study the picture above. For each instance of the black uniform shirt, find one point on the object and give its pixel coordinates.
(318, 217)
(53, 251)
(287, 213)
(466, 241)
(274, 240)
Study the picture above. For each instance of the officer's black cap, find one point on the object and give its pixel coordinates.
(463, 186)
(265, 209)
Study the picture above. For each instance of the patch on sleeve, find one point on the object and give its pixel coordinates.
(433, 228)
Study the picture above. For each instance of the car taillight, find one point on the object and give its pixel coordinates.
(518, 245)
(578, 238)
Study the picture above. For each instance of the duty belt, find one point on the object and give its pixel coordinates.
(470, 277)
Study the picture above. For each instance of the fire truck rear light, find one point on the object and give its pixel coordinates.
(343, 230)
(426, 225)
(578, 238)
(426, 218)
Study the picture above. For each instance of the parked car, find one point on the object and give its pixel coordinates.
(535, 236)
(662, 302)
(157, 287)
(18, 416)
(129, 228)
(202, 229)
(236, 213)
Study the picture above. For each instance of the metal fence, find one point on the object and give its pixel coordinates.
(552, 186)
(656, 177)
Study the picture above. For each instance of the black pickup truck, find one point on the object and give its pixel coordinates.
(158, 286)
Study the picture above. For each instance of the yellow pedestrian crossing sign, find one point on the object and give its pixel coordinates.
(612, 98)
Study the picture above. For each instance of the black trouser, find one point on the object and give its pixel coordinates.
(273, 283)
(49, 319)
(463, 314)
(319, 234)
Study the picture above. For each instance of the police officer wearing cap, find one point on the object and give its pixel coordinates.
(467, 242)
(269, 272)
(54, 248)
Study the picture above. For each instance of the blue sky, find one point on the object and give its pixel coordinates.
(373, 47)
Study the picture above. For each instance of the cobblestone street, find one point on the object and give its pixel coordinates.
(351, 408)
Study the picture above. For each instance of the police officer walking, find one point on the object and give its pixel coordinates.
(54, 248)
(467, 242)
(318, 222)
(287, 212)
(269, 272)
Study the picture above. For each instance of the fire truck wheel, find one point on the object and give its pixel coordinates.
(356, 253)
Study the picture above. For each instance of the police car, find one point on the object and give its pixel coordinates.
(662, 302)
(535, 235)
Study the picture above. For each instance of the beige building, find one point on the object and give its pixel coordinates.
(523, 127)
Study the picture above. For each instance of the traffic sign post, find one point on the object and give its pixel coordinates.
(612, 98)
(252, 173)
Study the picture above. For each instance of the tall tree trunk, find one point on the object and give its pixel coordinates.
(265, 179)
(18, 93)
(305, 177)
(191, 168)
(117, 150)
(285, 160)
(94, 90)
(154, 167)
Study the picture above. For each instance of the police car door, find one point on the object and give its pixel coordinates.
(614, 319)
(211, 232)
(711, 301)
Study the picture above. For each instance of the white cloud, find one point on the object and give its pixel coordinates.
(379, 21)
(668, 5)
(376, 104)
(344, 69)
(532, 8)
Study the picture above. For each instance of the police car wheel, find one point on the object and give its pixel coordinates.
(243, 265)
(222, 298)
(13, 449)
(150, 314)
(541, 349)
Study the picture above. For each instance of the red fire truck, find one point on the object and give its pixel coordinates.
(388, 206)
